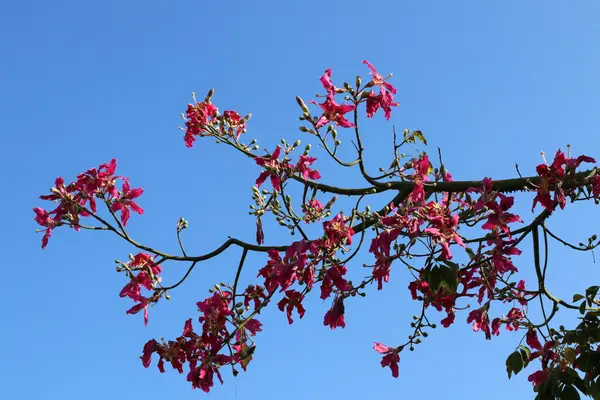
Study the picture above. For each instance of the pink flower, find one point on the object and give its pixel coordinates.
(481, 321)
(150, 347)
(385, 98)
(390, 359)
(293, 299)
(499, 218)
(449, 320)
(574, 163)
(539, 377)
(260, 235)
(215, 310)
(126, 202)
(236, 124)
(378, 80)
(202, 377)
(334, 277)
(334, 112)
(273, 169)
(327, 83)
(313, 211)
(335, 316)
(43, 218)
(198, 117)
(422, 167)
(513, 318)
(188, 330)
(532, 340)
(337, 232)
(303, 168)
(596, 186)
(496, 326)
(142, 305)
(255, 294)
(143, 263)
(442, 228)
(551, 177)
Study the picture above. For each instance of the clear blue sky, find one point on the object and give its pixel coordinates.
(491, 83)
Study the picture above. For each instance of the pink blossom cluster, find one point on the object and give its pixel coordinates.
(203, 119)
(207, 350)
(78, 199)
(280, 170)
(143, 272)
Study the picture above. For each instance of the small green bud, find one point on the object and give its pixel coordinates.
(210, 94)
(302, 104)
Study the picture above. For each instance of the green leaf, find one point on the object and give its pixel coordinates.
(582, 308)
(443, 276)
(434, 278)
(419, 135)
(577, 297)
(525, 355)
(514, 363)
(569, 393)
(590, 293)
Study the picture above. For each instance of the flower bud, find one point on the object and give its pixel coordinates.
(297, 143)
(338, 142)
(358, 81)
(302, 104)
(209, 95)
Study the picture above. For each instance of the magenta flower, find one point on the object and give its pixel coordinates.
(334, 112)
(303, 168)
(43, 218)
(390, 359)
(335, 316)
(533, 341)
(422, 167)
(480, 321)
(327, 83)
(500, 218)
(596, 186)
(126, 202)
(334, 276)
(236, 124)
(337, 232)
(293, 299)
(539, 377)
(198, 117)
(385, 98)
(273, 169)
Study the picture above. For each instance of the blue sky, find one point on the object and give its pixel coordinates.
(491, 83)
